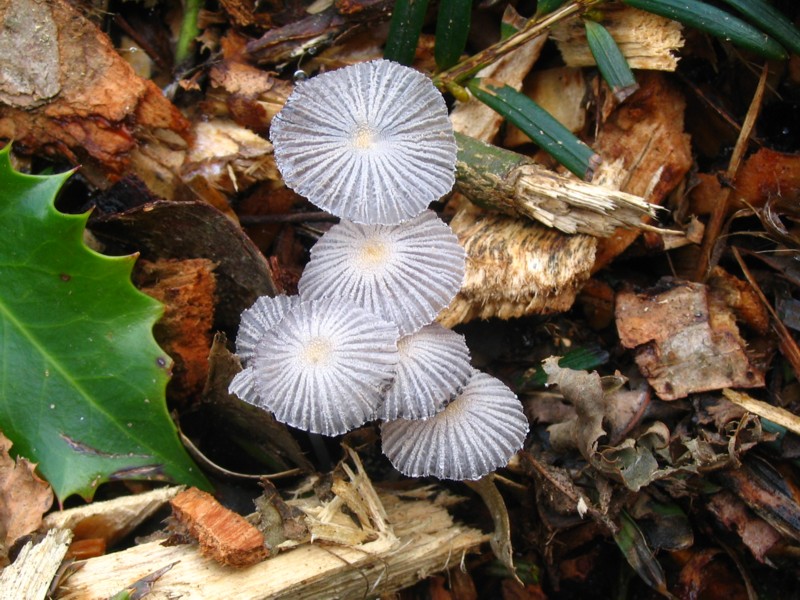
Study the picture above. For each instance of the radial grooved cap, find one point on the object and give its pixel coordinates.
(474, 435)
(325, 367)
(371, 143)
(405, 273)
(433, 369)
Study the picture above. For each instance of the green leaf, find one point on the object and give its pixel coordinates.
(540, 126)
(404, 30)
(770, 20)
(712, 20)
(452, 29)
(610, 61)
(545, 7)
(634, 547)
(83, 380)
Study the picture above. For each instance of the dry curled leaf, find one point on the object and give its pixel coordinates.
(24, 498)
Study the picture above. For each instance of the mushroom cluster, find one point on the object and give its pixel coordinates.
(373, 145)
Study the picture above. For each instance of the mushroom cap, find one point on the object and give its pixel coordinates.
(263, 315)
(371, 143)
(404, 273)
(475, 434)
(325, 366)
(433, 369)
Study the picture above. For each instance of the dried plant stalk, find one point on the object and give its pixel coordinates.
(502, 180)
(646, 40)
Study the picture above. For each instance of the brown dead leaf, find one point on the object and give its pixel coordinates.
(684, 340)
(24, 498)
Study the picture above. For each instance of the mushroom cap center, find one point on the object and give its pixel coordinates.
(365, 137)
(318, 351)
(373, 254)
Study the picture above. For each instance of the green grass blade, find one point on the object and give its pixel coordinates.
(452, 29)
(404, 30)
(540, 126)
(610, 61)
(770, 20)
(717, 22)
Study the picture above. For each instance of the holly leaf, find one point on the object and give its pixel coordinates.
(82, 380)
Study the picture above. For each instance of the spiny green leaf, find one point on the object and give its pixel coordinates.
(712, 20)
(404, 30)
(770, 20)
(540, 126)
(452, 29)
(83, 380)
(610, 61)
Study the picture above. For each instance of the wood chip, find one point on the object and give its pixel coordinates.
(111, 520)
(222, 534)
(30, 575)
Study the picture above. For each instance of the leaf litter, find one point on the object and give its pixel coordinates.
(651, 444)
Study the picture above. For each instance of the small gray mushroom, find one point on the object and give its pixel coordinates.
(475, 434)
(433, 369)
(404, 273)
(371, 143)
(323, 368)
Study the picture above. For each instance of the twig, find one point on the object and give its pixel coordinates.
(535, 26)
(705, 261)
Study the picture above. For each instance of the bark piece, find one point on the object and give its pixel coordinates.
(111, 520)
(516, 268)
(239, 420)
(644, 149)
(685, 340)
(250, 96)
(647, 41)
(65, 91)
(187, 288)
(24, 498)
(195, 230)
(425, 541)
(30, 575)
(222, 534)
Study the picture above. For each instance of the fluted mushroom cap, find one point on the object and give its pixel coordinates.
(475, 434)
(371, 143)
(405, 273)
(256, 321)
(433, 369)
(324, 367)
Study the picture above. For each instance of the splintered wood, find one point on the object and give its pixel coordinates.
(647, 41)
(385, 542)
